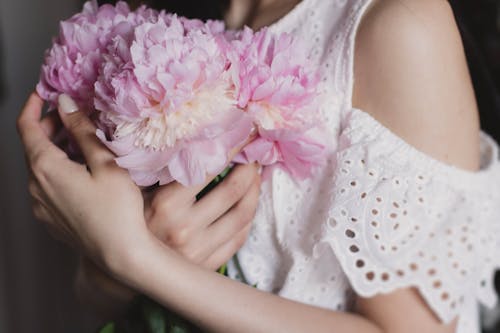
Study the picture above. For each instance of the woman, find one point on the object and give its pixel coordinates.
(396, 234)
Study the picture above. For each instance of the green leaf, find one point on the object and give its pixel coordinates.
(108, 328)
(177, 324)
(179, 329)
(155, 317)
(222, 270)
(225, 172)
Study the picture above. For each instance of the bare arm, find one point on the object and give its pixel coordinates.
(411, 75)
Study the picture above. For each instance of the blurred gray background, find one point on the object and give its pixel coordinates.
(35, 272)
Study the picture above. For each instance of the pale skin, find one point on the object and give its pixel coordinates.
(412, 46)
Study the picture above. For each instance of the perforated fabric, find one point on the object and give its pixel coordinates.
(380, 215)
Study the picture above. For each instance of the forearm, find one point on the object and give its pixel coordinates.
(219, 304)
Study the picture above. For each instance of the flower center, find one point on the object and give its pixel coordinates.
(166, 128)
(268, 116)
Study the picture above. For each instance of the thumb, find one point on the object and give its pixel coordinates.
(83, 131)
(75, 120)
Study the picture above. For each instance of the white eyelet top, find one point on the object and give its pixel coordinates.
(380, 215)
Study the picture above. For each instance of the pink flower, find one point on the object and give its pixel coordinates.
(168, 102)
(278, 87)
(71, 65)
(176, 95)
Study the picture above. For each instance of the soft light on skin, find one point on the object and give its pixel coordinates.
(255, 13)
(238, 12)
(166, 128)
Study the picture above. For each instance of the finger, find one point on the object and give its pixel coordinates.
(51, 124)
(223, 254)
(238, 218)
(84, 131)
(39, 212)
(178, 195)
(170, 201)
(37, 192)
(190, 234)
(35, 141)
(233, 221)
(220, 199)
(35, 189)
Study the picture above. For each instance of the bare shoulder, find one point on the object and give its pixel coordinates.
(411, 75)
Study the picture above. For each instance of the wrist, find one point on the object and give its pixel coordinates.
(130, 264)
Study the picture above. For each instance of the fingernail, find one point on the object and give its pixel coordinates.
(67, 104)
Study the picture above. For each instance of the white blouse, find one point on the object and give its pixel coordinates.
(380, 215)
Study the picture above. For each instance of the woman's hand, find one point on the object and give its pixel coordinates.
(95, 208)
(210, 231)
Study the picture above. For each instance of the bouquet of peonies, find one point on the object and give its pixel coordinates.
(172, 96)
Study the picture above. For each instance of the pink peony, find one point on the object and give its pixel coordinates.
(71, 65)
(168, 103)
(278, 87)
(176, 95)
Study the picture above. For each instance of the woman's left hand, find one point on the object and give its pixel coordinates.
(96, 208)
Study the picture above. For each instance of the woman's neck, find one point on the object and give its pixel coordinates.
(257, 13)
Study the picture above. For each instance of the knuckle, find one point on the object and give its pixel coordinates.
(38, 212)
(157, 227)
(165, 220)
(77, 123)
(33, 189)
(41, 163)
(190, 254)
(166, 204)
(164, 215)
(163, 208)
(177, 236)
(184, 252)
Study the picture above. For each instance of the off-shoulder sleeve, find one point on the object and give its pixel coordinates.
(399, 218)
